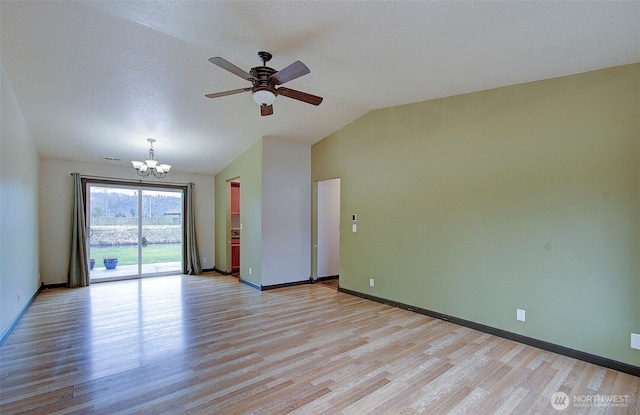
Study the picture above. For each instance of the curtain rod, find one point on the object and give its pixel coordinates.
(115, 179)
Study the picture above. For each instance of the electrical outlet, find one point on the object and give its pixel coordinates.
(520, 314)
(249, 270)
(354, 228)
(635, 341)
(371, 282)
(204, 260)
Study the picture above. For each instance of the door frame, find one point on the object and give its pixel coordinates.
(316, 208)
(140, 186)
(228, 261)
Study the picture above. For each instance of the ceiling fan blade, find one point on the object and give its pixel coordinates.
(300, 96)
(266, 110)
(225, 64)
(293, 71)
(225, 93)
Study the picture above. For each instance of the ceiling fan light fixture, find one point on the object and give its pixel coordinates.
(264, 97)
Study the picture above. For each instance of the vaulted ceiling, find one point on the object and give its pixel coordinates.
(94, 79)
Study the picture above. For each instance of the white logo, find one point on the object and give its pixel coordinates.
(560, 401)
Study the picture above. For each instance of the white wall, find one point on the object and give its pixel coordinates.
(55, 211)
(286, 211)
(18, 208)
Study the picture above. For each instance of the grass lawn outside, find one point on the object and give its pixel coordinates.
(128, 254)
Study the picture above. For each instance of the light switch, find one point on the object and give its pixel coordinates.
(520, 315)
(354, 228)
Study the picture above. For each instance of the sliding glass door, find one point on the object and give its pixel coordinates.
(161, 231)
(134, 231)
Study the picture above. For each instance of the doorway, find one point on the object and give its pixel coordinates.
(328, 230)
(234, 228)
(133, 231)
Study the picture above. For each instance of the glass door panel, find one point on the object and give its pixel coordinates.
(113, 232)
(161, 237)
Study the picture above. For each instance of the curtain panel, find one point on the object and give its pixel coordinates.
(192, 257)
(78, 261)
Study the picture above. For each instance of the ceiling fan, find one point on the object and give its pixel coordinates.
(264, 80)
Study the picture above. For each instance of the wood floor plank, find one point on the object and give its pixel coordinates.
(209, 344)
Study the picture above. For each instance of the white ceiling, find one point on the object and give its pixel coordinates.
(96, 78)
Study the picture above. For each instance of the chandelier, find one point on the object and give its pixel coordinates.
(150, 164)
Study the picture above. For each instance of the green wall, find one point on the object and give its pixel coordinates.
(248, 169)
(526, 196)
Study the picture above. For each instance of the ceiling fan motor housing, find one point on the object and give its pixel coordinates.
(261, 82)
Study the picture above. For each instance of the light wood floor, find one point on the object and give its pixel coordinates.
(211, 345)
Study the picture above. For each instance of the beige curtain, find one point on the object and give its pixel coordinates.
(78, 263)
(192, 257)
